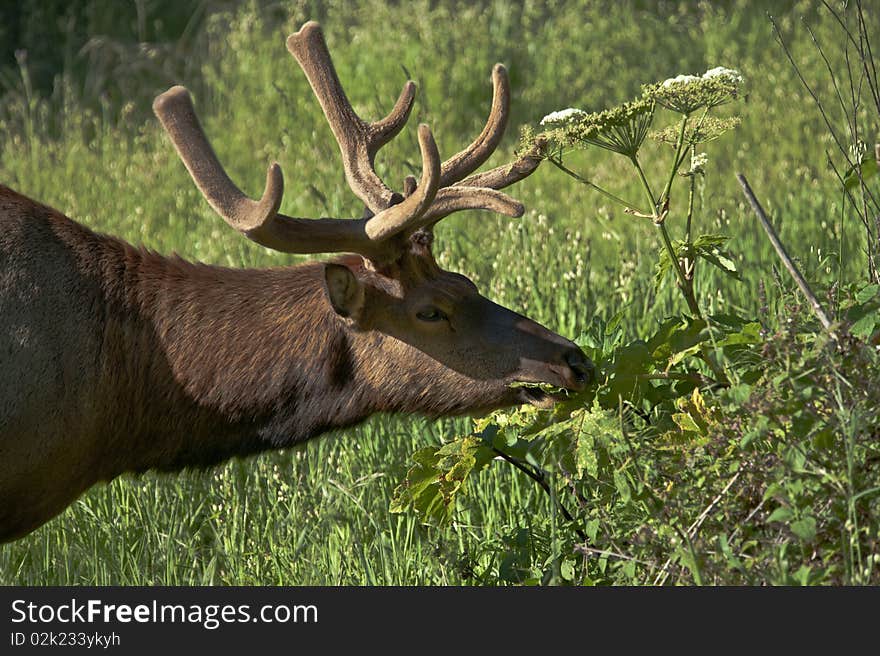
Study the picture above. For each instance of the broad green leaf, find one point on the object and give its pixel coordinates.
(866, 326)
(598, 428)
(867, 167)
(804, 528)
(677, 335)
(686, 423)
(868, 293)
(438, 475)
(708, 241)
(720, 259)
(749, 334)
(781, 514)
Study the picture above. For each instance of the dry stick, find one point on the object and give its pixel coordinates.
(786, 260)
(694, 528)
(590, 551)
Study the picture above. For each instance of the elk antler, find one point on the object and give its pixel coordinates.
(440, 191)
(483, 185)
(358, 140)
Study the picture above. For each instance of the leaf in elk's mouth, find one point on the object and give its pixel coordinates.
(540, 395)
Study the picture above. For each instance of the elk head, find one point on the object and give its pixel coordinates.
(391, 295)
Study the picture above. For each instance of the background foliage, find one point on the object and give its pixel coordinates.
(769, 480)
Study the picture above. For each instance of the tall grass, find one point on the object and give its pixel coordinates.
(319, 514)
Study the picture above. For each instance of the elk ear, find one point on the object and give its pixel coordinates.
(345, 291)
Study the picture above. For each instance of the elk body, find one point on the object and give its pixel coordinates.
(116, 359)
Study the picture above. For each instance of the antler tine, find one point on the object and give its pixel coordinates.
(457, 198)
(260, 220)
(479, 191)
(358, 140)
(175, 110)
(406, 216)
(507, 174)
(472, 157)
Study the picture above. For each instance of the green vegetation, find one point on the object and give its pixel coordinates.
(731, 439)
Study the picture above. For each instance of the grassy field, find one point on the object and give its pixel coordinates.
(88, 145)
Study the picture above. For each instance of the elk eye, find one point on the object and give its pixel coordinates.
(431, 314)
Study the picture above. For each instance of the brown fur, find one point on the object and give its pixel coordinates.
(117, 359)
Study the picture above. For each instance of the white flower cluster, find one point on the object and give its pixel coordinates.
(680, 79)
(562, 116)
(698, 162)
(719, 71)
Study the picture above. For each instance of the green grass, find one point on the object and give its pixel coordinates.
(319, 514)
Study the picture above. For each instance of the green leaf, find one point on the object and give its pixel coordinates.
(598, 429)
(749, 334)
(720, 259)
(868, 293)
(865, 326)
(781, 514)
(804, 528)
(868, 168)
(677, 335)
(710, 241)
(438, 476)
(686, 423)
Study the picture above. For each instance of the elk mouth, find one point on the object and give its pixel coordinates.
(539, 395)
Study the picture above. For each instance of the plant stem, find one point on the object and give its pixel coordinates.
(676, 162)
(659, 217)
(690, 265)
(538, 477)
(647, 187)
(558, 164)
(690, 214)
(818, 310)
(686, 286)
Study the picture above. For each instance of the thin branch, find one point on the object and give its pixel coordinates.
(590, 551)
(809, 89)
(693, 529)
(538, 477)
(786, 260)
(629, 208)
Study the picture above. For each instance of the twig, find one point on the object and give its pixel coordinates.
(540, 480)
(696, 378)
(786, 260)
(590, 551)
(693, 529)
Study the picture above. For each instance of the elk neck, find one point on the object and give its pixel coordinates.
(201, 363)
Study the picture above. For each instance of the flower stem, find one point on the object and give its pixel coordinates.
(676, 162)
(687, 289)
(685, 285)
(690, 265)
(558, 164)
(648, 193)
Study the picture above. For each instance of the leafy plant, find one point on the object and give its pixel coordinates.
(717, 449)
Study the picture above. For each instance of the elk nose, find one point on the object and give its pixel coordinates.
(583, 371)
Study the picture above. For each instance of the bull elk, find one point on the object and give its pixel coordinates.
(115, 359)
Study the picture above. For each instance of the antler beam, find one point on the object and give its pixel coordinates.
(442, 189)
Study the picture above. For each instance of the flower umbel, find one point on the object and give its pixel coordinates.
(728, 73)
(679, 79)
(708, 128)
(621, 129)
(698, 163)
(562, 116)
(687, 93)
